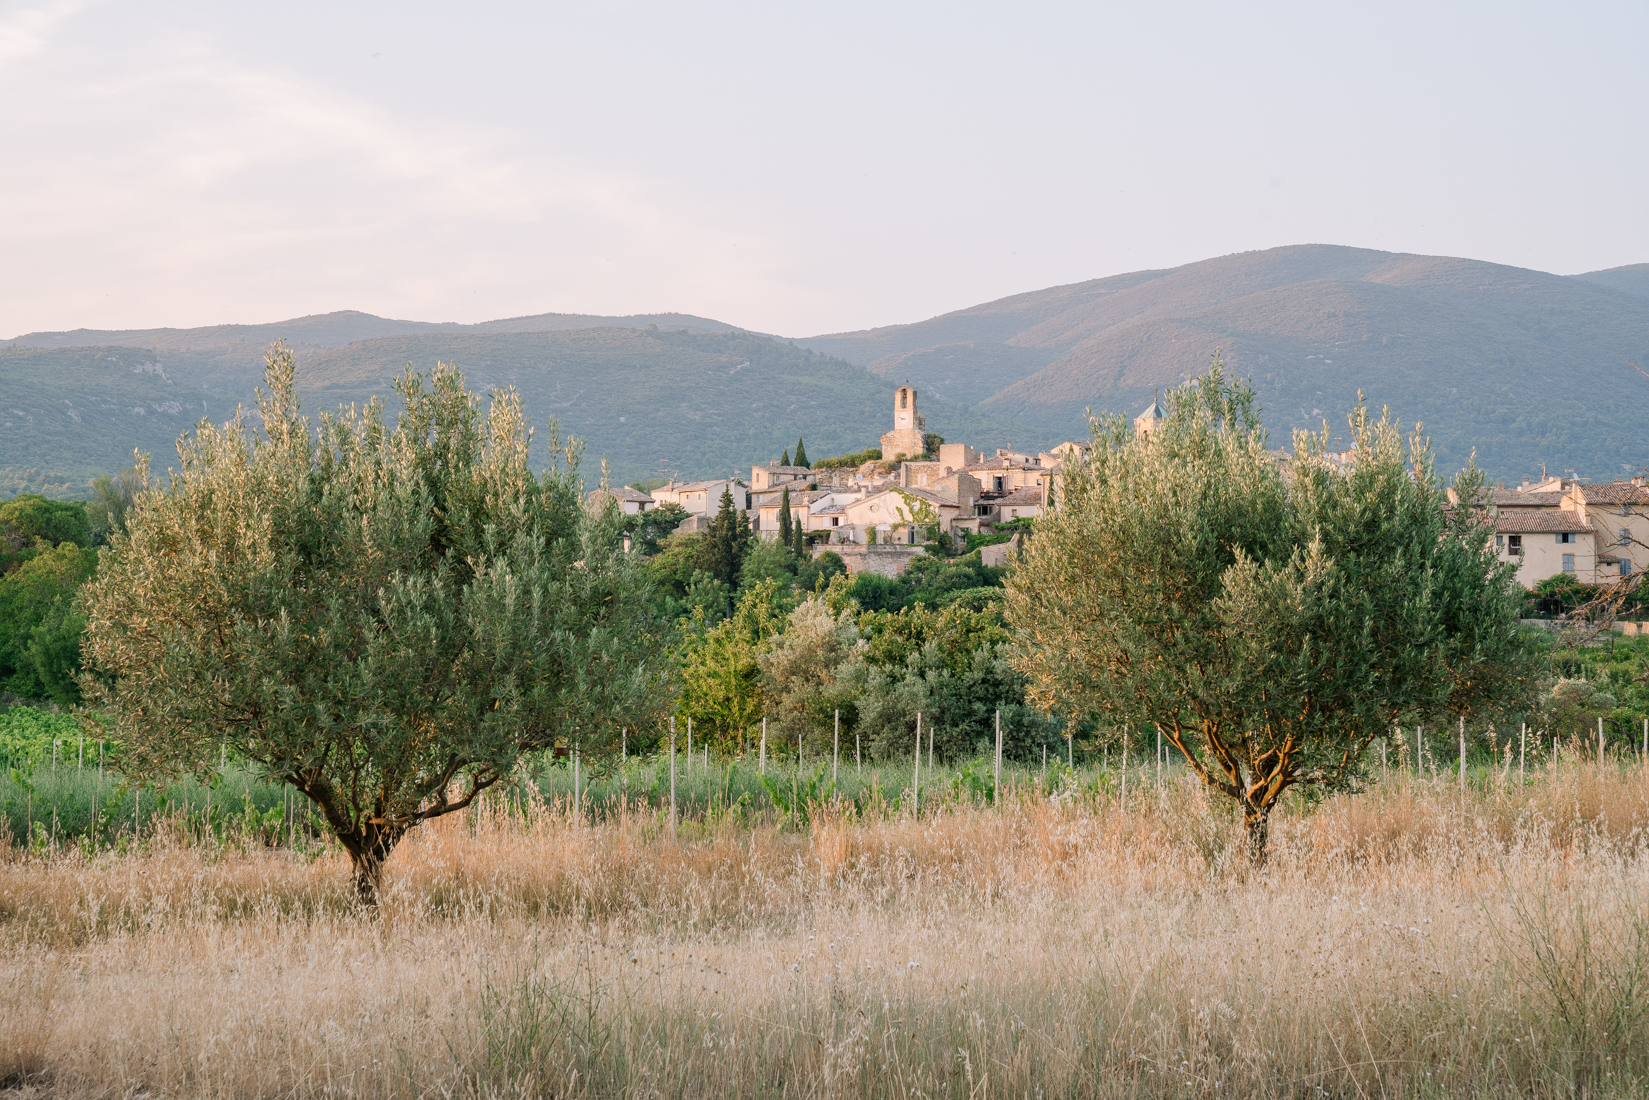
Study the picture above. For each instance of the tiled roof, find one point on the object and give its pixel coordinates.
(1542, 521)
(1019, 498)
(776, 500)
(692, 486)
(1512, 498)
(1617, 492)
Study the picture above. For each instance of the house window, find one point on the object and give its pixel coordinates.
(1625, 537)
(998, 483)
(1500, 542)
(1625, 568)
(1514, 544)
(835, 521)
(1566, 536)
(912, 536)
(1568, 563)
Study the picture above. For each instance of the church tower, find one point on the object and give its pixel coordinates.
(905, 440)
(1146, 422)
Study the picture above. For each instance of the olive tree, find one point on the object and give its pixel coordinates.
(385, 618)
(1272, 615)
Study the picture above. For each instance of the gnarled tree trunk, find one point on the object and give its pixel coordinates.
(368, 849)
(1257, 824)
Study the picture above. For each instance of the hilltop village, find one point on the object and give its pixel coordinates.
(879, 508)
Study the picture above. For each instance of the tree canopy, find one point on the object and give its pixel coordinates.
(1273, 618)
(385, 618)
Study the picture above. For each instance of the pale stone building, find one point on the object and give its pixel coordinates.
(702, 498)
(907, 439)
(630, 501)
(1594, 533)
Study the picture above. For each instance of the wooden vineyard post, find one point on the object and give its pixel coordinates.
(836, 748)
(916, 770)
(672, 775)
(761, 765)
(1462, 762)
(996, 790)
(1159, 761)
(1126, 730)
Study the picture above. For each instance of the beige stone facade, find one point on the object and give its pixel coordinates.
(907, 439)
(1596, 533)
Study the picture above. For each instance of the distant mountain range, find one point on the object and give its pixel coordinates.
(654, 395)
(1526, 367)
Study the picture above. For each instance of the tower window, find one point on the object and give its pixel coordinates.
(1568, 563)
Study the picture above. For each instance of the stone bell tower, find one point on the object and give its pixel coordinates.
(908, 427)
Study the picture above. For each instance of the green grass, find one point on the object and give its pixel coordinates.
(80, 804)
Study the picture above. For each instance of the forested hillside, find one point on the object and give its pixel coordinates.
(660, 404)
(69, 414)
(1524, 366)
(654, 401)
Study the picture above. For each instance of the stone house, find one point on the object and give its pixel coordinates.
(1594, 533)
(1024, 503)
(1546, 542)
(895, 514)
(774, 476)
(765, 518)
(630, 501)
(702, 498)
(1618, 513)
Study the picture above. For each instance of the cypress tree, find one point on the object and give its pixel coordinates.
(784, 518)
(726, 544)
(784, 459)
(798, 545)
(801, 453)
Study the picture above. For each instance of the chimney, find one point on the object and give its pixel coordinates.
(1525, 486)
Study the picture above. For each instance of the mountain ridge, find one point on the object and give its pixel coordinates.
(1520, 365)
(1523, 367)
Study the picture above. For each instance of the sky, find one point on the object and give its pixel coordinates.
(790, 168)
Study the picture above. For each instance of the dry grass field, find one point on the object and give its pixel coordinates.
(1397, 944)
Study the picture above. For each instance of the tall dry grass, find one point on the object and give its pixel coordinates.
(1397, 944)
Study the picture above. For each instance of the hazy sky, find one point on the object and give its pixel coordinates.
(791, 168)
